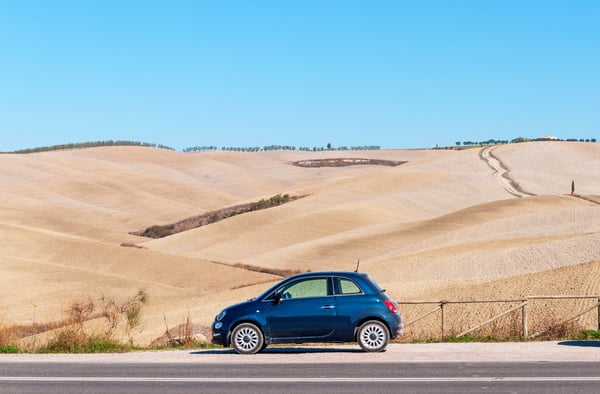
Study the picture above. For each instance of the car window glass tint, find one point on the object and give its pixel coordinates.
(307, 288)
(349, 287)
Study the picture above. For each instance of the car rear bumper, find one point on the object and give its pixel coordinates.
(398, 327)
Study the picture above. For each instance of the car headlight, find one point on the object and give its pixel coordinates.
(221, 315)
(218, 325)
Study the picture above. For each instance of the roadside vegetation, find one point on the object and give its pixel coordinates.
(543, 326)
(103, 325)
(107, 326)
(88, 326)
(556, 334)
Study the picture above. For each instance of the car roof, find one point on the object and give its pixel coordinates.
(328, 273)
(360, 276)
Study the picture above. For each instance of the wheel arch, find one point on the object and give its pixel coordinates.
(242, 321)
(366, 319)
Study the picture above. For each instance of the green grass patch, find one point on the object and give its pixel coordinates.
(9, 349)
(465, 338)
(589, 335)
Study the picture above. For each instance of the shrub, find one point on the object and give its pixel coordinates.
(130, 311)
(158, 231)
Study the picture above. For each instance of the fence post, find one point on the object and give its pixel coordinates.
(524, 318)
(442, 303)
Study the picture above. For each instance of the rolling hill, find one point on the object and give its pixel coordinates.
(440, 226)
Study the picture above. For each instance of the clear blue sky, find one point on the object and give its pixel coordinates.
(399, 74)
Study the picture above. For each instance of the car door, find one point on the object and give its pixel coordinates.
(304, 309)
(350, 306)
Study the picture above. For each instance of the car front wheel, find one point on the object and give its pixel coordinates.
(373, 336)
(247, 338)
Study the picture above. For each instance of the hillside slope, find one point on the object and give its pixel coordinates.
(438, 226)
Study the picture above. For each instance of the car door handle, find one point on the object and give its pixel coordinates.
(328, 307)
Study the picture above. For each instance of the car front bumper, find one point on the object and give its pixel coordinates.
(219, 334)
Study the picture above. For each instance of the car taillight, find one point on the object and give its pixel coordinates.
(391, 306)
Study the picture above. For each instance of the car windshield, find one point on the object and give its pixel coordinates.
(307, 287)
(267, 292)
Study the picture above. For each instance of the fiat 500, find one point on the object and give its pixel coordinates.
(312, 307)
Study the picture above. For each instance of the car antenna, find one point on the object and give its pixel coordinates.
(357, 264)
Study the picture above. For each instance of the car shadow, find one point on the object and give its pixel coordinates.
(580, 343)
(285, 350)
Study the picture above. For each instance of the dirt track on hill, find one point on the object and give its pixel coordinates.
(502, 173)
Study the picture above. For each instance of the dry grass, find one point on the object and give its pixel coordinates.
(8, 339)
(182, 335)
(71, 335)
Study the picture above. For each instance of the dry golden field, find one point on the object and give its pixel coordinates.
(441, 226)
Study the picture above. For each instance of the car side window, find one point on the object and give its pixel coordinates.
(316, 287)
(347, 286)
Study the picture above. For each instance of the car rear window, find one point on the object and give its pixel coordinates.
(348, 287)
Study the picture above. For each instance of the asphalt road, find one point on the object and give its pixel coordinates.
(553, 367)
(558, 377)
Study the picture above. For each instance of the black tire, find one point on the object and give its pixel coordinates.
(373, 336)
(247, 338)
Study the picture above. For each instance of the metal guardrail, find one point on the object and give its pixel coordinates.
(523, 304)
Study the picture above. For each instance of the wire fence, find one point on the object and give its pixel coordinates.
(529, 317)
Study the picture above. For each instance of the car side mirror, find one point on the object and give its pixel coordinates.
(277, 299)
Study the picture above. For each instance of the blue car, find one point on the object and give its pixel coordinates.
(312, 307)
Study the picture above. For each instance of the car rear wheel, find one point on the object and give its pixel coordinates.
(247, 338)
(373, 336)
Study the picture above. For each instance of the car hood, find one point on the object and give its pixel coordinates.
(240, 305)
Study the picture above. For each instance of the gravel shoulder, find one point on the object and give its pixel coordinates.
(567, 351)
